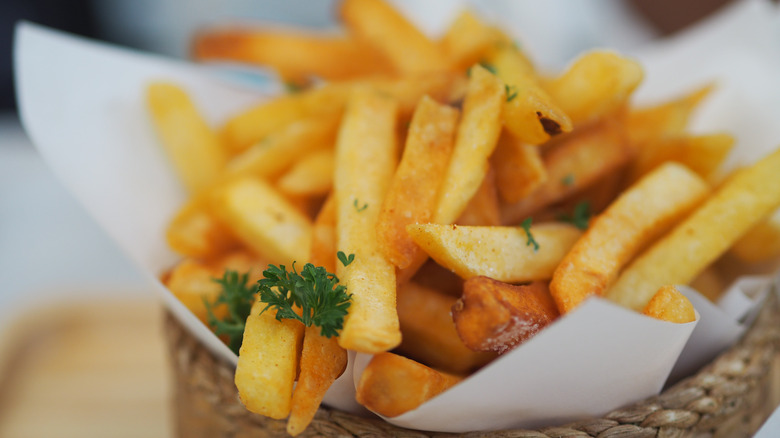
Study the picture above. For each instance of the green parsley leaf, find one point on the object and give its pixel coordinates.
(511, 92)
(293, 87)
(580, 218)
(238, 297)
(526, 224)
(488, 66)
(344, 259)
(568, 180)
(322, 301)
(359, 207)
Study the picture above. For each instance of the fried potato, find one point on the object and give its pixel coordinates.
(278, 151)
(263, 220)
(191, 144)
(312, 175)
(574, 164)
(429, 334)
(323, 240)
(483, 208)
(761, 243)
(496, 316)
(365, 162)
(322, 362)
(254, 124)
(740, 203)
(196, 232)
(468, 40)
(268, 363)
(529, 113)
(597, 84)
(414, 188)
(668, 304)
(637, 217)
(702, 153)
(295, 55)
(391, 384)
(503, 253)
(665, 119)
(519, 168)
(384, 28)
(475, 140)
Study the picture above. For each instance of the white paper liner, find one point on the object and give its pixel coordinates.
(82, 105)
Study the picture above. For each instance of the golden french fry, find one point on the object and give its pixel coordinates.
(529, 113)
(323, 241)
(598, 83)
(483, 208)
(468, 41)
(365, 162)
(740, 203)
(322, 362)
(668, 304)
(297, 56)
(475, 140)
(637, 217)
(574, 164)
(496, 316)
(196, 232)
(519, 168)
(263, 220)
(703, 154)
(278, 151)
(379, 25)
(268, 363)
(429, 334)
(503, 253)
(193, 147)
(666, 119)
(312, 175)
(761, 243)
(253, 125)
(414, 188)
(391, 384)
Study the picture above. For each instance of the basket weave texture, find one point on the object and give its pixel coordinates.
(730, 397)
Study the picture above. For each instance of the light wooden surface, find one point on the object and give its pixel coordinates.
(89, 370)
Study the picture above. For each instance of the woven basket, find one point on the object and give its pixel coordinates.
(731, 397)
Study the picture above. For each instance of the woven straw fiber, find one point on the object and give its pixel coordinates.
(730, 397)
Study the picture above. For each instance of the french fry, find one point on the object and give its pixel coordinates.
(468, 40)
(322, 362)
(740, 203)
(196, 232)
(483, 208)
(574, 164)
(253, 125)
(408, 90)
(193, 147)
(278, 151)
(429, 334)
(503, 253)
(702, 153)
(268, 363)
(263, 220)
(496, 316)
(664, 120)
(529, 113)
(761, 243)
(668, 304)
(637, 217)
(475, 140)
(296, 55)
(365, 162)
(312, 175)
(414, 188)
(519, 168)
(381, 26)
(323, 241)
(597, 84)
(391, 384)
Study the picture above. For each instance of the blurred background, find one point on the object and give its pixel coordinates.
(68, 292)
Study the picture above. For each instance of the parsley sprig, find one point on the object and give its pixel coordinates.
(316, 292)
(526, 225)
(238, 298)
(580, 217)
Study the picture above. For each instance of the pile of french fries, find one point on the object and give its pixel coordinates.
(482, 200)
